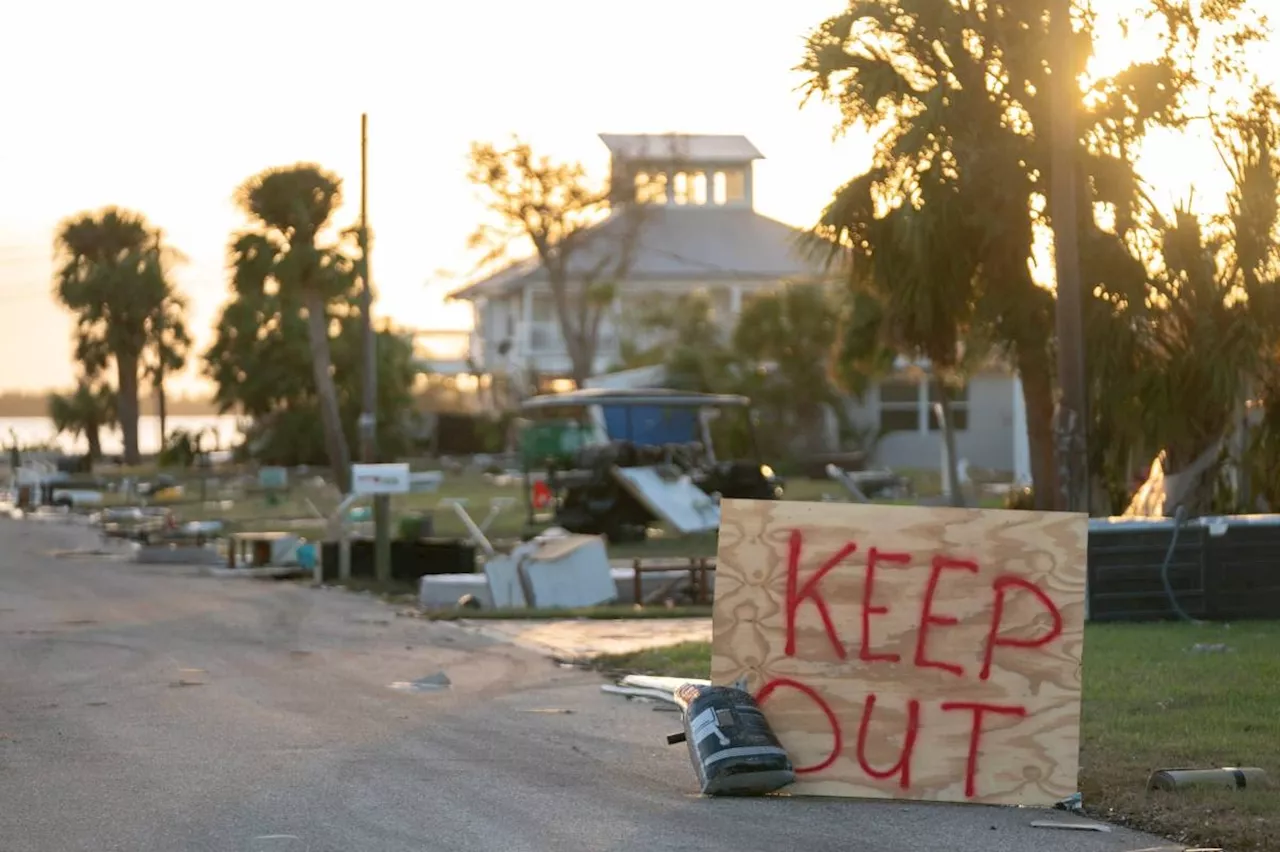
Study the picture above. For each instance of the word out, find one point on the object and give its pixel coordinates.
(808, 592)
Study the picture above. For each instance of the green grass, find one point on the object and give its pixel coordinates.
(595, 613)
(1150, 703)
(686, 659)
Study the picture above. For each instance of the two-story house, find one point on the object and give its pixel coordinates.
(699, 230)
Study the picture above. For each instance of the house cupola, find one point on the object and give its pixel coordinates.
(681, 169)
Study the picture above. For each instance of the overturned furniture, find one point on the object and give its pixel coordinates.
(551, 572)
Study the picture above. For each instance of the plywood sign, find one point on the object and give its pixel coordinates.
(907, 652)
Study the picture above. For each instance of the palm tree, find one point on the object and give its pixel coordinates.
(110, 275)
(289, 207)
(956, 93)
(86, 411)
(910, 296)
(170, 345)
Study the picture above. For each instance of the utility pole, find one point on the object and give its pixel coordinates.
(1071, 426)
(369, 416)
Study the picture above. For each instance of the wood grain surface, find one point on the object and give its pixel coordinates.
(817, 679)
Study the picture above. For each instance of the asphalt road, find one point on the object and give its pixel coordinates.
(148, 708)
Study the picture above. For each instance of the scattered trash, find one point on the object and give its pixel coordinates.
(265, 572)
(1073, 803)
(1072, 826)
(264, 842)
(1202, 648)
(733, 749)
(181, 683)
(669, 683)
(640, 693)
(651, 687)
(1232, 777)
(430, 683)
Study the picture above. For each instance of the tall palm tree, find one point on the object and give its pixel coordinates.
(86, 411)
(111, 277)
(289, 207)
(169, 346)
(912, 294)
(956, 94)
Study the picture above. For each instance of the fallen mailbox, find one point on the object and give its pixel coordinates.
(553, 570)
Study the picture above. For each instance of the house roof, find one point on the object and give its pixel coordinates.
(681, 147)
(678, 244)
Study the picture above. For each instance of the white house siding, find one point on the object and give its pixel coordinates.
(985, 441)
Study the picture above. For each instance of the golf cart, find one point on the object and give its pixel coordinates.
(618, 461)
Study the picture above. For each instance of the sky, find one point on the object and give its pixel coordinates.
(165, 108)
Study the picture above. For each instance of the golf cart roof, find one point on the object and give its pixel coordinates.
(635, 396)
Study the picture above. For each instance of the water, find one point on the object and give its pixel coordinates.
(37, 430)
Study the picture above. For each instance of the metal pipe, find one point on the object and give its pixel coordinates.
(475, 531)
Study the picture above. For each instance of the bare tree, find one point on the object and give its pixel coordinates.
(584, 244)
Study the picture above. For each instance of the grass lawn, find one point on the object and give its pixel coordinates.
(1149, 703)
(686, 659)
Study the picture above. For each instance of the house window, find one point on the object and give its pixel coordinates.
(698, 193)
(651, 188)
(735, 186)
(900, 405)
(544, 309)
(905, 406)
(681, 185)
(959, 398)
(542, 328)
(719, 189)
(690, 188)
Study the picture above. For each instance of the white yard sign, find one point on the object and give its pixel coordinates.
(379, 479)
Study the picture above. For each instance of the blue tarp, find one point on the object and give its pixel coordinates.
(651, 424)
